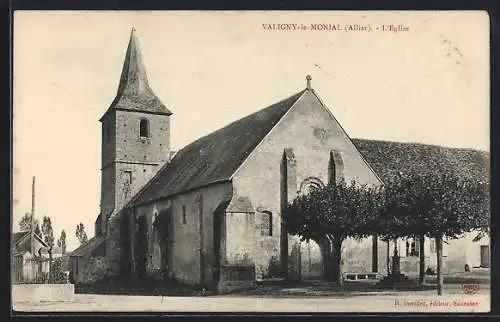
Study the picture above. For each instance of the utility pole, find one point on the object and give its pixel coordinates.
(32, 230)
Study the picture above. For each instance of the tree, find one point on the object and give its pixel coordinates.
(61, 242)
(48, 234)
(393, 221)
(331, 214)
(444, 206)
(401, 216)
(25, 222)
(80, 233)
(38, 231)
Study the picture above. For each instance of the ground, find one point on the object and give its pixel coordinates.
(311, 296)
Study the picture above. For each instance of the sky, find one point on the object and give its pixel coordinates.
(429, 84)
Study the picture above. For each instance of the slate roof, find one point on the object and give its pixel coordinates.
(134, 92)
(216, 156)
(389, 158)
(87, 247)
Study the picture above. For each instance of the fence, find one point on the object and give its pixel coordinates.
(37, 271)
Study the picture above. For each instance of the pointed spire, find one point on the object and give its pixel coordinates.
(134, 92)
(134, 79)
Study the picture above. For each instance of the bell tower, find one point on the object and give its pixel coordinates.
(135, 137)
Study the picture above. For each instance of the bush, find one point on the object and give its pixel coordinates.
(274, 268)
(97, 269)
(57, 271)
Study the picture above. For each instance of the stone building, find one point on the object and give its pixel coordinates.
(210, 213)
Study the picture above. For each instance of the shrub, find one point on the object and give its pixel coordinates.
(274, 268)
(97, 269)
(57, 273)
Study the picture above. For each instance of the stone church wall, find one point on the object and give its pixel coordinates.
(130, 146)
(311, 132)
(186, 259)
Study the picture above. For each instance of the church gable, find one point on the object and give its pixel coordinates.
(315, 135)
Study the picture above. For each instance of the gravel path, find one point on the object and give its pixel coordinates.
(273, 300)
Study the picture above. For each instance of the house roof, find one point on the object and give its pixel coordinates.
(389, 159)
(134, 92)
(16, 237)
(87, 247)
(216, 156)
(20, 236)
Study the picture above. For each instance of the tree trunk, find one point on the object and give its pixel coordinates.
(337, 262)
(439, 254)
(327, 265)
(388, 258)
(421, 279)
(375, 254)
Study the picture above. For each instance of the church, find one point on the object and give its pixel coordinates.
(210, 213)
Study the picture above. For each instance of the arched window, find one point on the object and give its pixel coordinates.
(155, 227)
(144, 128)
(309, 184)
(335, 167)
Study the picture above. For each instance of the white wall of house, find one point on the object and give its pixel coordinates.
(456, 254)
(466, 251)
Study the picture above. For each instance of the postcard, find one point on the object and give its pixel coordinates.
(251, 161)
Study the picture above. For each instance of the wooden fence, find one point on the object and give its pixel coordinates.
(33, 271)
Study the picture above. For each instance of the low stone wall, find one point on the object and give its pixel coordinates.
(43, 292)
(234, 277)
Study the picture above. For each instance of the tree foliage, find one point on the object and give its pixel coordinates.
(80, 233)
(25, 222)
(38, 231)
(48, 233)
(342, 210)
(61, 242)
(442, 205)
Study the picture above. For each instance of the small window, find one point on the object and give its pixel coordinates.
(266, 228)
(184, 215)
(412, 247)
(144, 128)
(128, 177)
(433, 245)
